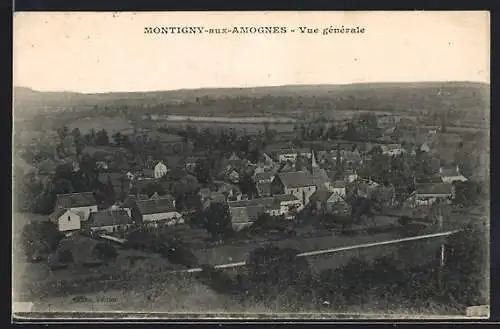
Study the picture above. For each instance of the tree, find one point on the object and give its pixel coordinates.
(104, 251)
(118, 138)
(247, 185)
(40, 238)
(467, 193)
(102, 138)
(465, 275)
(66, 256)
(277, 272)
(218, 220)
(202, 171)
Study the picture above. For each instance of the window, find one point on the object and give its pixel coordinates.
(69, 218)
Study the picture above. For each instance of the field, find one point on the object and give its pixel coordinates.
(110, 124)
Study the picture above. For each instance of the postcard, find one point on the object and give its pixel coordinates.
(251, 165)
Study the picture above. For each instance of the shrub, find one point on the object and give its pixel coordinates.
(104, 251)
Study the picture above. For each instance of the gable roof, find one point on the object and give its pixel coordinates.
(246, 214)
(434, 188)
(73, 200)
(254, 202)
(389, 147)
(109, 218)
(155, 206)
(266, 175)
(285, 197)
(449, 172)
(296, 179)
(320, 195)
(58, 213)
(339, 184)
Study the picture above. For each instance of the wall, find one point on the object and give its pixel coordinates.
(160, 216)
(69, 225)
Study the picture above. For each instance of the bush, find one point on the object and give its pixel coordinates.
(40, 238)
(274, 272)
(104, 251)
(66, 256)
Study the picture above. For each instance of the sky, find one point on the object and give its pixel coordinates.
(109, 52)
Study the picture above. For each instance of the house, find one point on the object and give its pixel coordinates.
(204, 193)
(81, 204)
(350, 175)
(392, 149)
(327, 202)
(215, 197)
(430, 193)
(245, 216)
(245, 213)
(288, 203)
(299, 183)
(451, 175)
(66, 219)
(263, 177)
(109, 221)
(190, 163)
(160, 170)
(102, 165)
(157, 211)
(338, 188)
(264, 189)
(425, 147)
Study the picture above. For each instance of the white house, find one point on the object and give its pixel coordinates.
(81, 204)
(338, 189)
(66, 220)
(287, 203)
(160, 170)
(350, 175)
(392, 149)
(450, 175)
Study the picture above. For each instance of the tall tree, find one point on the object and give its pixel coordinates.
(218, 220)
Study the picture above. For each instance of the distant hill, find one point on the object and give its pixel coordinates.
(461, 96)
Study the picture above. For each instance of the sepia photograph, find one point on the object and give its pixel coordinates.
(251, 165)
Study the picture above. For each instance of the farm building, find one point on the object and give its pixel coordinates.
(110, 221)
(157, 211)
(66, 220)
(81, 204)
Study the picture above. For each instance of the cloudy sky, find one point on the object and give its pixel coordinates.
(103, 52)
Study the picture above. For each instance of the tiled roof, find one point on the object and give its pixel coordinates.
(57, 213)
(253, 202)
(246, 214)
(72, 200)
(449, 172)
(263, 176)
(156, 206)
(109, 218)
(285, 197)
(339, 184)
(296, 179)
(431, 188)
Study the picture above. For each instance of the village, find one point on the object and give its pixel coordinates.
(157, 178)
(107, 206)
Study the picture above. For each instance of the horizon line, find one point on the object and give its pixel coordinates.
(252, 87)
